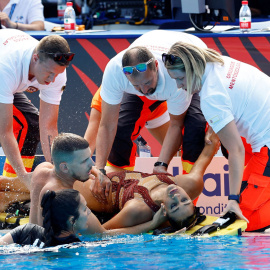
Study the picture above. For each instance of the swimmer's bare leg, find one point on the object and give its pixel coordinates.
(12, 190)
(8, 197)
(12, 184)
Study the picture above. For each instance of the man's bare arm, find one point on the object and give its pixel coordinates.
(48, 126)
(8, 141)
(172, 141)
(92, 129)
(106, 134)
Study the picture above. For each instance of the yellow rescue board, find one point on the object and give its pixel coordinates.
(235, 228)
(12, 220)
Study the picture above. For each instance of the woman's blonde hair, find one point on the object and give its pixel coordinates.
(192, 60)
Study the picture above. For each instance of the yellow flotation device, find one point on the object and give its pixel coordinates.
(214, 226)
(15, 215)
(10, 221)
(236, 228)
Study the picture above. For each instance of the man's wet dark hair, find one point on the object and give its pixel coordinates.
(65, 144)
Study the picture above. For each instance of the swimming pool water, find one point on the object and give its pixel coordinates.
(146, 252)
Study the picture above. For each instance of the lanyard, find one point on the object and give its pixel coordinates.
(12, 10)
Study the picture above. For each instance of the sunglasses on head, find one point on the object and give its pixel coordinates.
(170, 58)
(61, 57)
(142, 67)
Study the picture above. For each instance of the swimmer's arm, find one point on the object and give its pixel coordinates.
(94, 226)
(6, 240)
(136, 217)
(172, 141)
(134, 212)
(157, 220)
(192, 183)
(206, 156)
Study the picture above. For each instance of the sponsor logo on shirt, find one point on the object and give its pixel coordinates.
(31, 89)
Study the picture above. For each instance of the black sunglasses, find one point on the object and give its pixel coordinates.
(61, 57)
(170, 58)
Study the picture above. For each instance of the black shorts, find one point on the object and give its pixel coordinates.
(26, 131)
(25, 124)
(134, 112)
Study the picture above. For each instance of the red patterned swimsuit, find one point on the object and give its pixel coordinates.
(127, 185)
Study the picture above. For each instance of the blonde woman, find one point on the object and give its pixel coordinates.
(235, 100)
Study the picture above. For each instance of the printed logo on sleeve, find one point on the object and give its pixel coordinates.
(214, 120)
(17, 38)
(31, 89)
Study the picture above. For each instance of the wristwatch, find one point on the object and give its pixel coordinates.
(103, 171)
(159, 163)
(234, 197)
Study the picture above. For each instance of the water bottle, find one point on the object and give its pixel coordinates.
(144, 148)
(70, 19)
(61, 7)
(245, 17)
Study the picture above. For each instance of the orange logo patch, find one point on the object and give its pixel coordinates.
(31, 89)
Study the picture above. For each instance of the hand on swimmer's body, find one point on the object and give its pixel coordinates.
(101, 185)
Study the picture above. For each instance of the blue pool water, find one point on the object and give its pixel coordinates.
(146, 252)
